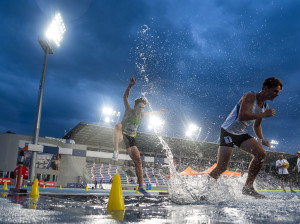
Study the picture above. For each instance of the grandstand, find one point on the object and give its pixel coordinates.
(200, 155)
(103, 173)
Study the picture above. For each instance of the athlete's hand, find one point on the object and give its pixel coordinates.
(269, 112)
(266, 143)
(132, 81)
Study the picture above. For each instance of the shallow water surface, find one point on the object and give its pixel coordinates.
(276, 208)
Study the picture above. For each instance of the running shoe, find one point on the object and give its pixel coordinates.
(251, 192)
(115, 155)
(143, 191)
(293, 191)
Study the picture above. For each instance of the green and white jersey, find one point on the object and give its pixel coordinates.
(131, 124)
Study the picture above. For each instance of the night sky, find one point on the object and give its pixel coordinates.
(194, 58)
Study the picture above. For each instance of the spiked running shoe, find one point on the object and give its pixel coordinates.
(143, 191)
(251, 192)
(115, 155)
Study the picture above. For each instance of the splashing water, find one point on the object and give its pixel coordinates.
(196, 189)
(187, 189)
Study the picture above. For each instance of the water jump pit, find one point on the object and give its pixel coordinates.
(224, 205)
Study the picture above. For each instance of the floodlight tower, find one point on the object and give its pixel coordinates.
(52, 39)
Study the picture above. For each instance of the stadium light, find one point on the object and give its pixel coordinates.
(110, 115)
(107, 119)
(53, 35)
(107, 111)
(156, 124)
(274, 143)
(193, 131)
(56, 30)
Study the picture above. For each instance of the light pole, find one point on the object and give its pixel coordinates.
(54, 35)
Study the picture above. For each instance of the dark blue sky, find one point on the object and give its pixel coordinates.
(195, 58)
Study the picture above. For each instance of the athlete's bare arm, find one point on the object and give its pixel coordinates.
(246, 103)
(258, 132)
(126, 94)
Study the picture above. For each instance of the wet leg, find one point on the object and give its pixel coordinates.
(118, 136)
(259, 154)
(136, 158)
(224, 155)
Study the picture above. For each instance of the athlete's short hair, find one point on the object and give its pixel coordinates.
(140, 100)
(272, 82)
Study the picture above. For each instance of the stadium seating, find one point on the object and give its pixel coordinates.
(104, 173)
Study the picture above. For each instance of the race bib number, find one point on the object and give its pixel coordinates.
(228, 139)
(131, 129)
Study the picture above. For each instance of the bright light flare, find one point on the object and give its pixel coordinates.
(107, 111)
(188, 133)
(193, 131)
(193, 128)
(155, 123)
(273, 143)
(56, 30)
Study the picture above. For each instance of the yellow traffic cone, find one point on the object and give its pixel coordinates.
(86, 188)
(117, 215)
(137, 189)
(4, 185)
(116, 200)
(35, 189)
(4, 188)
(33, 202)
(60, 187)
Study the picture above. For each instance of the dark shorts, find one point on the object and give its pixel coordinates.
(129, 141)
(284, 177)
(228, 139)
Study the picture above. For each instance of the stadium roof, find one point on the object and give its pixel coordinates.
(101, 138)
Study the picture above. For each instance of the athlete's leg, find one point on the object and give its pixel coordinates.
(224, 155)
(118, 136)
(282, 184)
(259, 154)
(136, 158)
(291, 185)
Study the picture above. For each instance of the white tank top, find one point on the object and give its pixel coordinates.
(236, 127)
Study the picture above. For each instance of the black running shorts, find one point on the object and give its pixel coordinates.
(129, 141)
(228, 139)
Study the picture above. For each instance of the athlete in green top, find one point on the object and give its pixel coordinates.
(127, 131)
